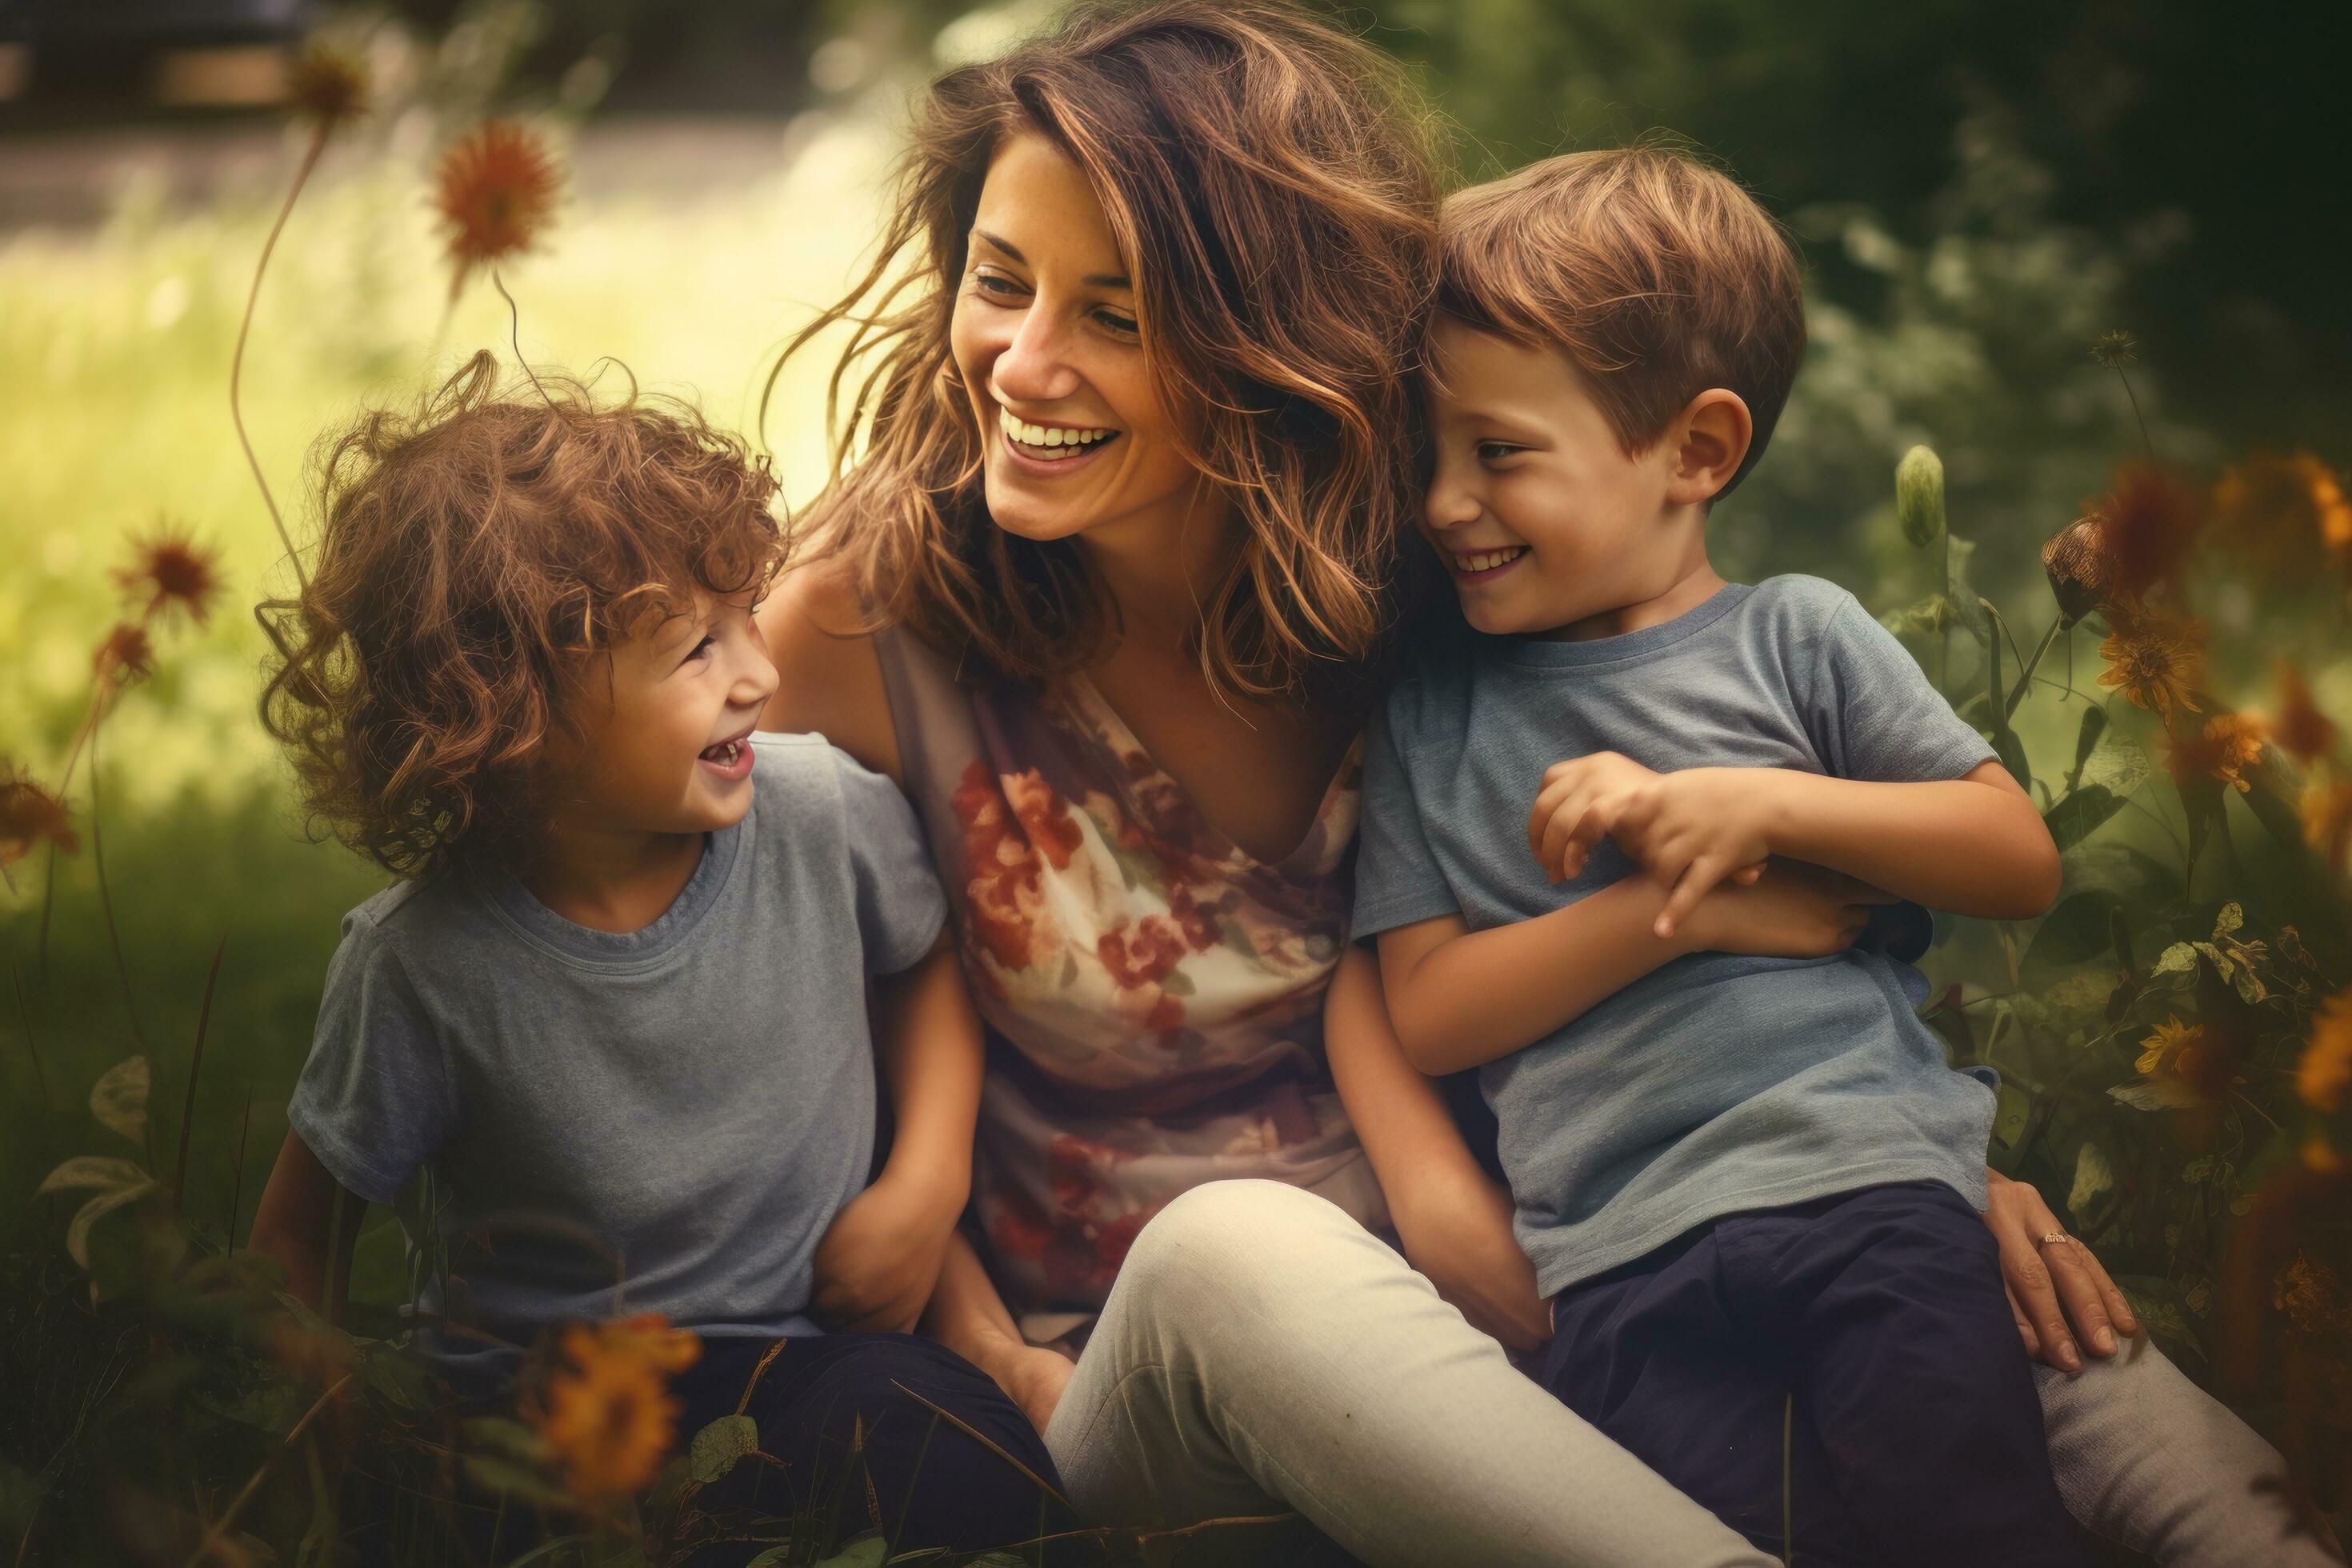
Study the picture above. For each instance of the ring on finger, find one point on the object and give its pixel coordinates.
(2051, 1238)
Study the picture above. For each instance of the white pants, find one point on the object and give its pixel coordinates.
(1263, 1352)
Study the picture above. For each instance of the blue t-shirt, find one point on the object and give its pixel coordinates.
(1717, 1083)
(661, 1121)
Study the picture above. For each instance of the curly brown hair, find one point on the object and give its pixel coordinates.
(1272, 181)
(474, 553)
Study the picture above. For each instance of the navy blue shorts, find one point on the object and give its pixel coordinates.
(1918, 1433)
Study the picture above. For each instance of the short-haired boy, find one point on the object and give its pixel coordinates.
(1749, 1181)
(617, 1002)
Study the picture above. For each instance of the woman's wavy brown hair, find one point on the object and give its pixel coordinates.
(1273, 183)
(474, 553)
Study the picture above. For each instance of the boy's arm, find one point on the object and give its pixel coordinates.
(308, 1223)
(1973, 845)
(877, 1263)
(1454, 1220)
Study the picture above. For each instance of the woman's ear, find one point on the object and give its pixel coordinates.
(1711, 437)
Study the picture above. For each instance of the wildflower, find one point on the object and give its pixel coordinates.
(2301, 728)
(2312, 1296)
(2148, 523)
(2155, 660)
(327, 88)
(126, 658)
(2320, 1155)
(2327, 821)
(2325, 1073)
(2080, 568)
(496, 191)
(2286, 513)
(172, 572)
(2115, 348)
(607, 1417)
(1919, 496)
(29, 817)
(2161, 1051)
(2229, 744)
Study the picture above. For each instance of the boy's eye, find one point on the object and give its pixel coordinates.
(1495, 451)
(701, 648)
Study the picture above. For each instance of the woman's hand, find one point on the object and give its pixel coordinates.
(878, 1261)
(1457, 1233)
(1792, 911)
(2053, 1279)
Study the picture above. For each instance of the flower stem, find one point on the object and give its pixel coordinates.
(2025, 677)
(106, 905)
(2136, 416)
(196, 1068)
(244, 330)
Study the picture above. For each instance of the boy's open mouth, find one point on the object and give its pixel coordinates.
(1479, 564)
(731, 758)
(1052, 443)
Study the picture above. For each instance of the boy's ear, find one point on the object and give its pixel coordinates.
(1711, 439)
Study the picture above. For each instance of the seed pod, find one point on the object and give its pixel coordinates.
(1919, 496)
(2081, 570)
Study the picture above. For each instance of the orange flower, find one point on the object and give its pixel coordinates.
(2325, 1073)
(172, 572)
(2302, 728)
(2155, 660)
(2228, 745)
(327, 86)
(2327, 821)
(2148, 523)
(607, 1417)
(126, 658)
(2312, 1296)
(29, 817)
(2285, 512)
(496, 190)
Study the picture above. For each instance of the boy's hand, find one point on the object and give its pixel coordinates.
(878, 1261)
(1792, 911)
(1689, 829)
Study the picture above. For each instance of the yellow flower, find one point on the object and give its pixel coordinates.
(2325, 1073)
(607, 1416)
(2162, 1051)
(2228, 745)
(2155, 660)
(2327, 821)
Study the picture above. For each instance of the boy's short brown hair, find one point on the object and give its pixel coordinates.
(1658, 276)
(472, 554)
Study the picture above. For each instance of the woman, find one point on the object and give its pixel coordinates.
(1105, 591)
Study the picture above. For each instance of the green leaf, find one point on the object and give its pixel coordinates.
(515, 1481)
(2076, 931)
(96, 1172)
(2232, 919)
(2155, 1094)
(718, 1447)
(118, 1100)
(778, 1557)
(2012, 1111)
(2094, 724)
(2180, 958)
(98, 1208)
(2094, 1178)
(866, 1552)
(2080, 814)
(1966, 613)
(507, 1438)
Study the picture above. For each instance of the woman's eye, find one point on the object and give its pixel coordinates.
(1119, 321)
(1495, 451)
(996, 283)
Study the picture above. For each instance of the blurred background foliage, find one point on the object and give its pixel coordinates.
(1980, 190)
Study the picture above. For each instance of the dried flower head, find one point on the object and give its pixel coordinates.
(2155, 660)
(2328, 822)
(2312, 1296)
(2228, 745)
(496, 191)
(2302, 731)
(2115, 348)
(327, 86)
(2081, 570)
(607, 1417)
(126, 658)
(30, 816)
(2324, 1077)
(170, 571)
(2148, 522)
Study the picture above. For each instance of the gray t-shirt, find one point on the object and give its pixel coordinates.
(682, 1108)
(1717, 1083)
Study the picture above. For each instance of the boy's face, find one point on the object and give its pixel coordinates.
(659, 737)
(1543, 520)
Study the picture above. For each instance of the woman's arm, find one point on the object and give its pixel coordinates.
(881, 1257)
(308, 1223)
(1454, 1220)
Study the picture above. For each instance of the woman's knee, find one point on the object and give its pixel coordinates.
(1221, 1243)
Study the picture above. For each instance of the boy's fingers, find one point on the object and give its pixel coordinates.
(1746, 876)
(1552, 848)
(1695, 882)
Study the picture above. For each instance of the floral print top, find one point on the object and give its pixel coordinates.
(1153, 994)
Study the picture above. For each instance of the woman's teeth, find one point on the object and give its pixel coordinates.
(1486, 560)
(1058, 440)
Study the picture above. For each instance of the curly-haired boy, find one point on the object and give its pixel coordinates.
(617, 1002)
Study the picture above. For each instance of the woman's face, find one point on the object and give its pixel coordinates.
(1072, 429)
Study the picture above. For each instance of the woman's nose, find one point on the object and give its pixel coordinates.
(1035, 367)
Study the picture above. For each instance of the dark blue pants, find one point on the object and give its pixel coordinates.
(861, 1449)
(1918, 1434)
